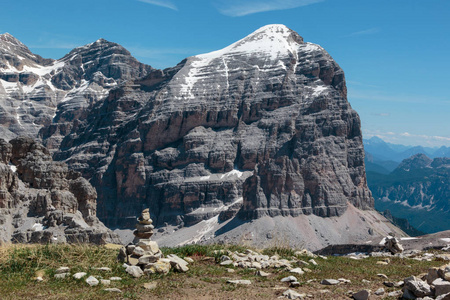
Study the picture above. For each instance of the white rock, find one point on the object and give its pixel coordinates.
(189, 260)
(379, 292)
(79, 275)
(298, 271)
(418, 287)
(114, 290)
(105, 281)
(312, 261)
(243, 282)
(289, 279)
(290, 294)
(329, 282)
(92, 281)
(134, 271)
(115, 278)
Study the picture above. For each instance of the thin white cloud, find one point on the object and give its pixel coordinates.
(239, 8)
(54, 45)
(369, 31)
(407, 138)
(162, 3)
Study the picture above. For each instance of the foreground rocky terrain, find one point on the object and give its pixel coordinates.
(222, 272)
(42, 201)
(243, 143)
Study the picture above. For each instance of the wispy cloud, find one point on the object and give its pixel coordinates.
(54, 45)
(239, 8)
(163, 3)
(407, 138)
(369, 31)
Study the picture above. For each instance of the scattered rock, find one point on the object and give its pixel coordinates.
(389, 283)
(418, 287)
(382, 276)
(392, 244)
(134, 271)
(226, 263)
(261, 273)
(189, 260)
(178, 263)
(441, 286)
(407, 294)
(289, 279)
(361, 295)
(313, 262)
(92, 281)
(79, 275)
(298, 271)
(240, 282)
(290, 294)
(380, 262)
(365, 281)
(113, 290)
(231, 270)
(399, 283)
(329, 282)
(443, 297)
(162, 266)
(115, 278)
(379, 292)
(294, 284)
(343, 280)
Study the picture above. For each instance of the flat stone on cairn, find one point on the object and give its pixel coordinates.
(144, 227)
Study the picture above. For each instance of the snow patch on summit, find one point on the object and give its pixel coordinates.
(271, 43)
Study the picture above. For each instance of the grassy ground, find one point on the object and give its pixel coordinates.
(19, 265)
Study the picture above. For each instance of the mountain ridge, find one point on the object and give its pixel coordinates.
(218, 141)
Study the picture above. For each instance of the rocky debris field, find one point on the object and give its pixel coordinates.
(222, 272)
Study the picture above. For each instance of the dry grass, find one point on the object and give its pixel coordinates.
(19, 265)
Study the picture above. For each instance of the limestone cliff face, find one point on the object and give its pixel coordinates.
(261, 127)
(42, 201)
(46, 98)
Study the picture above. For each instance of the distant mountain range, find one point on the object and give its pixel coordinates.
(417, 190)
(384, 151)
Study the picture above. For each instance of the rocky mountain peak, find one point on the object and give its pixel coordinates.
(417, 161)
(270, 42)
(7, 41)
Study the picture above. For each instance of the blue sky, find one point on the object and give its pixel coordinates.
(395, 53)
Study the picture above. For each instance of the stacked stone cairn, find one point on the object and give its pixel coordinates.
(393, 245)
(143, 256)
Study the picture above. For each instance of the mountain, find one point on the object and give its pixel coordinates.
(382, 151)
(418, 190)
(42, 97)
(250, 142)
(42, 201)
